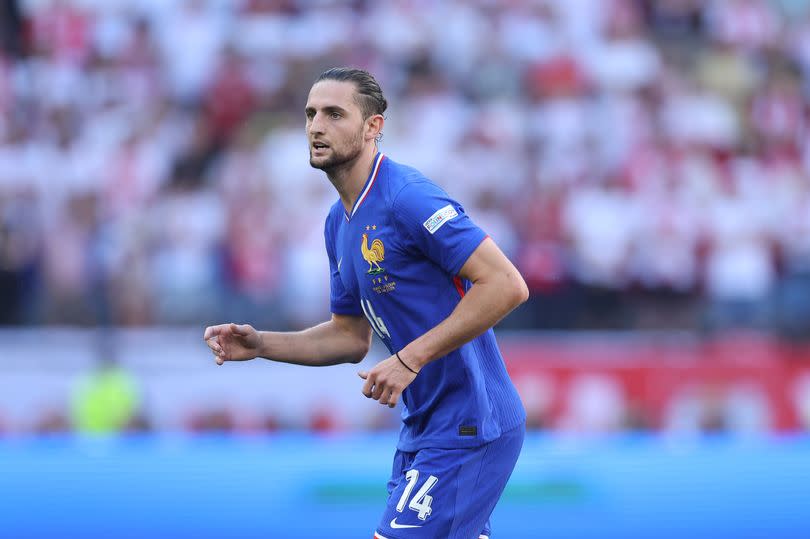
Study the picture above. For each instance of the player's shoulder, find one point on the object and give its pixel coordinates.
(403, 179)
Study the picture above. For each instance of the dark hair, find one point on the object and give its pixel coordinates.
(369, 96)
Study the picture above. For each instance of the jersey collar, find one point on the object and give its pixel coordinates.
(372, 176)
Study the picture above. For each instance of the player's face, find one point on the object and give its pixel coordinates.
(335, 125)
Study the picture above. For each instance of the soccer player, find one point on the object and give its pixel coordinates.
(408, 263)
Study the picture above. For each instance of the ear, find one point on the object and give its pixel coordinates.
(374, 126)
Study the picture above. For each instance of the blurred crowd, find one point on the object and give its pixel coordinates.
(645, 163)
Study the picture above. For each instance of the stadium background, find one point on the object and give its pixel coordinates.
(646, 164)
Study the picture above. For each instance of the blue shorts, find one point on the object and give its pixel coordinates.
(448, 493)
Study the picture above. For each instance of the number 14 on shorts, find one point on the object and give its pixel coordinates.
(421, 500)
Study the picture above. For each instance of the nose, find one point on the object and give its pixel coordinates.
(316, 125)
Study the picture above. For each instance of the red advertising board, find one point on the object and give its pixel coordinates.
(743, 383)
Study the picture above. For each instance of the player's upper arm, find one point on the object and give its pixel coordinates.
(488, 264)
(357, 332)
(435, 224)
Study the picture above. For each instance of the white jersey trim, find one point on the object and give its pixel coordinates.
(375, 169)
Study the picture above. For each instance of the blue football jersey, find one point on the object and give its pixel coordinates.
(395, 259)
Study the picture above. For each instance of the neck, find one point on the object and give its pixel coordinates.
(350, 177)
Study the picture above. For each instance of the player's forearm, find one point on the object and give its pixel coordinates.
(484, 305)
(319, 346)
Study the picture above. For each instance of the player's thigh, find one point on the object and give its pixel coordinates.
(423, 502)
(480, 492)
(402, 461)
(448, 493)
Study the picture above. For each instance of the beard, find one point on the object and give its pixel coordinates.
(339, 157)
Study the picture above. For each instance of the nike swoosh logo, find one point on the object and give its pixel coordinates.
(396, 526)
(339, 261)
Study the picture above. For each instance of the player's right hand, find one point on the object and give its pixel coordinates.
(232, 342)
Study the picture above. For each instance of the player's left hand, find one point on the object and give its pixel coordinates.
(386, 381)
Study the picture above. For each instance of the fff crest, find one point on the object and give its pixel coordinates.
(373, 254)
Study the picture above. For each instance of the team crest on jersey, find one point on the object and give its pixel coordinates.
(373, 255)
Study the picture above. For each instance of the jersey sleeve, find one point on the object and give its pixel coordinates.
(341, 300)
(436, 224)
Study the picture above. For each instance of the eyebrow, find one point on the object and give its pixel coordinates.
(328, 108)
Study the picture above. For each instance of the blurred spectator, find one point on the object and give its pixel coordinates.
(801, 398)
(737, 408)
(215, 420)
(61, 30)
(231, 96)
(19, 250)
(674, 21)
(106, 400)
(626, 59)
(749, 24)
(12, 39)
(696, 410)
(52, 421)
(537, 393)
(191, 35)
(740, 271)
(595, 404)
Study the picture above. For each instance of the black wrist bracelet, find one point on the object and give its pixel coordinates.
(404, 364)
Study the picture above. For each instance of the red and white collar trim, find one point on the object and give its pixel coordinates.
(372, 177)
